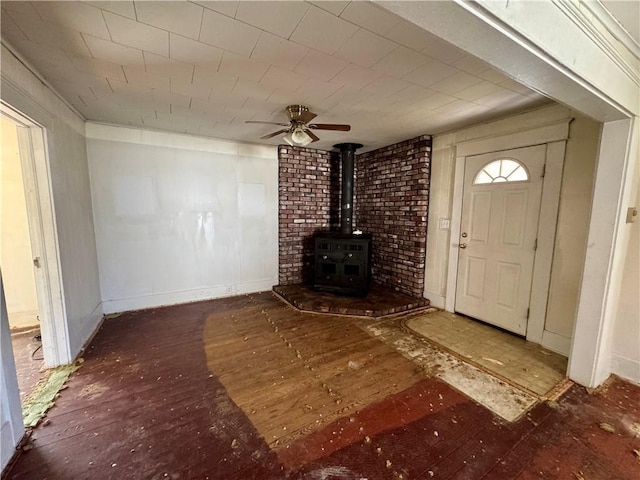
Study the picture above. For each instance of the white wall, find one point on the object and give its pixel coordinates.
(180, 218)
(626, 336)
(15, 246)
(69, 175)
(575, 205)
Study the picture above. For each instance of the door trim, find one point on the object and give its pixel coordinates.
(554, 137)
(44, 237)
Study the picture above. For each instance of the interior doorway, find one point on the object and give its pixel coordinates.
(17, 263)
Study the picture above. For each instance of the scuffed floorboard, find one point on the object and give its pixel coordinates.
(164, 393)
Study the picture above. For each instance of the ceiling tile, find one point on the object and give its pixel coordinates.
(113, 52)
(166, 67)
(320, 66)
(516, 87)
(386, 85)
(454, 108)
(44, 33)
(98, 68)
(374, 103)
(430, 73)
(317, 89)
(413, 93)
(277, 51)
(260, 108)
(355, 76)
(23, 8)
(75, 15)
(442, 51)
(218, 82)
(10, 29)
(323, 31)
(164, 97)
(455, 83)
(196, 91)
(47, 55)
(137, 35)
(183, 18)
(136, 75)
(190, 51)
(227, 33)
(478, 91)
(498, 99)
(251, 89)
(471, 65)
(279, 18)
(365, 48)
(332, 6)
(401, 62)
(409, 35)
(121, 7)
(279, 78)
(368, 15)
(242, 67)
(225, 7)
(492, 75)
(345, 97)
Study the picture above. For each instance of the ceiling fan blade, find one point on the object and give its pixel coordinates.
(268, 123)
(330, 126)
(312, 135)
(274, 134)
(307, 116)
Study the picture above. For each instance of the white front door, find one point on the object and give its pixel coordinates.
(500, 210)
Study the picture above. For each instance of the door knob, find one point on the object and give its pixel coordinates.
(463, 245)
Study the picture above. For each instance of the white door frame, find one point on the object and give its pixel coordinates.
(43, 235)
(554, 137)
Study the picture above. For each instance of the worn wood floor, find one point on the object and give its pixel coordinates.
(246, 388)
(27, 353)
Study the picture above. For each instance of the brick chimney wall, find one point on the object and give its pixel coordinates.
(309, 202)
(391, 202)
(392, 188)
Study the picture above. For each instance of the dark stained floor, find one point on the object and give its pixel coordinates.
(27, 353)
(378, 302)
(154, 399)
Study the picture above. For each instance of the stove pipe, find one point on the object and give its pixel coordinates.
(347, 151)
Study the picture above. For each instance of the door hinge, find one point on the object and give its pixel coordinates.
(528, 311)
(535, 245)
(544, 170)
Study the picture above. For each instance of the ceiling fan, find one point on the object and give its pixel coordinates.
(298, 131)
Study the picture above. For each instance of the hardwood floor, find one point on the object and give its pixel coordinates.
(27, 353)
(247, 388)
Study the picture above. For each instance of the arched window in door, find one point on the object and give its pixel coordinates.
(503, 170)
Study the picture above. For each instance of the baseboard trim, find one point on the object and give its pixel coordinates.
(556, 343)
(185, 296)
(436, 300)
(626, 368)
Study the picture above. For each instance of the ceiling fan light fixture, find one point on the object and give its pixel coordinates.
(298, 138)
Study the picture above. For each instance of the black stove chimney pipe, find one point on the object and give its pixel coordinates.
(347, 151)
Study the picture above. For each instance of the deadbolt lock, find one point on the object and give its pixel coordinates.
(464, 235)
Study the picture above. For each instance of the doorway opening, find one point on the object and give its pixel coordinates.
(17, 264)
(29, 259)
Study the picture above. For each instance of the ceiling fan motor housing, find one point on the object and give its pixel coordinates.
(295, 112)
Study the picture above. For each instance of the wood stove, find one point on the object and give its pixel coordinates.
(343, 260)
(343, 263)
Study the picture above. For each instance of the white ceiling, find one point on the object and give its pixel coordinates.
(205, 68)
